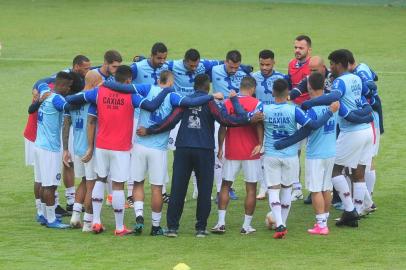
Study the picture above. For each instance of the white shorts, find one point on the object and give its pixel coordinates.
(377, 141)
(172, 137)
(134, 137)
(47, 167)
(115, 164)
(250, 168)
(86, 170)
(318, 174)
(29, 152)
(354, 148)
(283, 171)
(153, 161)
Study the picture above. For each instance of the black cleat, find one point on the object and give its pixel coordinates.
(60, 212)
(139, 225)
(171, 233)
(69, 208)
(201, 233)
(156, 231)
(349, 219)
(166, 197)
(308, 200)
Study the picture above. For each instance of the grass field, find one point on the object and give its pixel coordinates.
(41, 37)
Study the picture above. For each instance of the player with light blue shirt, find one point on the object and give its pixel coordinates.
(281, 166)
(355, 141)
(47, 156)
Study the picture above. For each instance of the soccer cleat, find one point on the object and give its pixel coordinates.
(75, 220)
(98, 228)
(130, 202)
(374, 207)
(318, 230)
(139, 225)
(60, 212)
(247, 230)
(57, 224)
(156, 231)
(166, 197)
(109, 200)
(195, 194)
(348, 218)
(297, 194)
(280, 232)
(171, 233)
(87, 227)
(218, 229)
(232, 194)
(201, 233)
(69, 208)
(41, 220)
(366, 211)
(308, 200)
(122, 232)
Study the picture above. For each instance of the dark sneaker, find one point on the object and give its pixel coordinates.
(348, 218)
(60, 212)
(308, 200)
(139, 225)
(201, 233)
(69, 208)
(171, 233)
(166, 197)
(156, 231)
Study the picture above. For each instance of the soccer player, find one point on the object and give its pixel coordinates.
(298, 69)
(48, 145)
(355, 141)
(113, 142)
(242, 148)
(194, 151)
(281, 166)
(264, 79)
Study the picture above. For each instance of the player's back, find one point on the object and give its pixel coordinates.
(279, 123)
(321, 143)
(263, 91)
(223, 82)
(79, 124)
(115, 120)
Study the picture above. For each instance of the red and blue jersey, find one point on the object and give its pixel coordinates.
(298, 71)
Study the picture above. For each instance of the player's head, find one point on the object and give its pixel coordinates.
(338, 62)
(192, 59)
(63, 83)
(77, 83)
(202, 83)
(81, 65)
(266, 62)
(159, 52)
(123, 74)
(233, 61)
(303, 47)
(112, 60)
(280, 89)
(351, 60)
(315, 84)
(248, 85)
(165, 79)
(316, 64)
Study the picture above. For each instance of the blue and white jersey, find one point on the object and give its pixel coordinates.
(223, 82)
(79, 124)
(281, 121)
(147, 119)
(104, 77)
(143, 72)
(184, 78)
(350, 87)
(366, 74)
(321, 143)
(50, 115)
(263, 91)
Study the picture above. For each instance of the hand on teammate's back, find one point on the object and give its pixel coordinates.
(232, 94)
(257, 117)
(335, 106)
(44, 96)
(142, 131)
(256, 150)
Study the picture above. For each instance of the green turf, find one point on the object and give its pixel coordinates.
(41, 37)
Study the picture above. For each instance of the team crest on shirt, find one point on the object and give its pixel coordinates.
(58, 176)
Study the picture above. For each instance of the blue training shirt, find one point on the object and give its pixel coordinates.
(263, 91)
(224, 82)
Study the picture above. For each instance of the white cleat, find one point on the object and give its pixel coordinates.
(297, 194)
(247, 230)
(75, 220)
(87, 227)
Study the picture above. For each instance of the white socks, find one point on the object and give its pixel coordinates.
(39, 207)
(44, 209)
(275, 205)
(222, 217)
(156, 218)
(218, 174)
(56, 198)
(118, 208)
(247, 221)
(285, 199)
(321, 219)
(70, 195)
(340, 184)
(50, 213)
(297, 186)
(77, 207)
(360, 188)
(97, 201)
(87, 218)
(139, 208)
(370, 178)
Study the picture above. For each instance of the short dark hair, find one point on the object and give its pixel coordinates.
(234, 56)
(316, 81)
(279, 87)
(351, 59)
(158, 47)
(339, 57)
(202, 82)
(112, 56)
(80, 59)
(266, 54)
(62, 75)
(77, 84)
(248, 82)
(304, 37)
(192, 55)
(164, 76)
(123, 73)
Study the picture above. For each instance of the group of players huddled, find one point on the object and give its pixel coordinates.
(113, 124)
